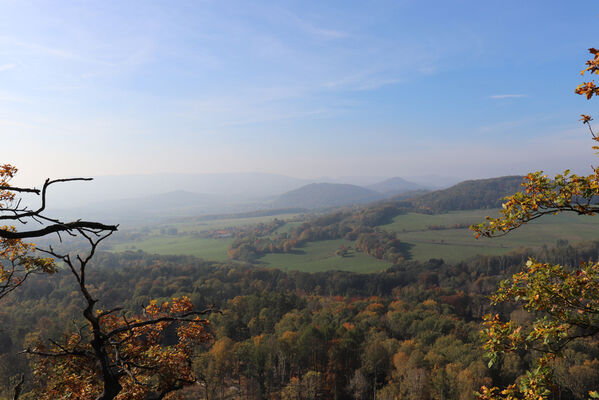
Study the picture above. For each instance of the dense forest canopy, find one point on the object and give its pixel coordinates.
(276, 331)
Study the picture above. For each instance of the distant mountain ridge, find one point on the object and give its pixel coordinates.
(151, 208)
(395, 185)
(241, 186)
(326, 194)
(98, 199)
(323, 195)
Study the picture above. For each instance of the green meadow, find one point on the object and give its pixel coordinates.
(457, 244)
(320, 256)
(209, 249)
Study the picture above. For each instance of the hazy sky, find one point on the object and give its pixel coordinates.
(303, 88)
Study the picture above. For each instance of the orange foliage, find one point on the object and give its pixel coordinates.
(152, 358)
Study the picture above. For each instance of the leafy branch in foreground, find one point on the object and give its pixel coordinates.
(566, 192)
(567, 305)
(542, 195)
(563, 300)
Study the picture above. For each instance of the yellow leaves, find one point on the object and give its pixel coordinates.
(17, 262)
(17, 259)
(542, 195)
(589, 89)
(181, 305)
(593, 64)
(7, 172)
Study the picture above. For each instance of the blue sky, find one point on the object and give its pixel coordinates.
(304, 88)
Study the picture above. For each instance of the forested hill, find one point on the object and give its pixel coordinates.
(323, 195)
(469, 195)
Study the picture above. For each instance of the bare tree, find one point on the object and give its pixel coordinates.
(112, 353)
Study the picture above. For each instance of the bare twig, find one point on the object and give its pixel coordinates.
(19, 387)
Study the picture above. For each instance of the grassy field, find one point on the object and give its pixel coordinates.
(288, 227)
(204, 225)
(457, 244)
(320, 256)
(209, 249)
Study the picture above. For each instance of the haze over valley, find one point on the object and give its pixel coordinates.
(139, 198)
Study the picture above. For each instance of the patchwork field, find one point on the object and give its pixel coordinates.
(156, 239)
(450, 243)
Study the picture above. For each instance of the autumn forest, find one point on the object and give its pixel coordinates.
(299, 201)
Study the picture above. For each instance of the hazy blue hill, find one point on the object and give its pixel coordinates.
(240, 186)
(156, 207)
(469, 195)
(434, 181)
(318, 195)
(395, 185)
(170, 200)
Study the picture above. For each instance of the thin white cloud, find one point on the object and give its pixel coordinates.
(325, 33)
(61, 88)
(507, 96)
(6, 67)
(362, 81)
(377, 83)
(125, 63)
(311, 29)
(39, 49)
